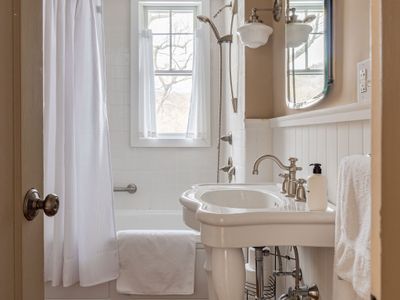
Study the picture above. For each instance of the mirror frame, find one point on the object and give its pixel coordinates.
(328, 10)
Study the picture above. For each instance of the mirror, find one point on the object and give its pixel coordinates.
(308, 51)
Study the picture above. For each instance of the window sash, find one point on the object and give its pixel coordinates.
(167, 139)
(170, 9)
(173, 72)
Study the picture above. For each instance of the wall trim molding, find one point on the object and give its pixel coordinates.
(343, 113)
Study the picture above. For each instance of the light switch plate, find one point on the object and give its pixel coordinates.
(364, 81)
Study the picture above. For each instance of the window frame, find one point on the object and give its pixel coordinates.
(137, 24)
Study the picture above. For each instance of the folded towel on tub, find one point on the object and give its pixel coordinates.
(156, 262)
(353, 224)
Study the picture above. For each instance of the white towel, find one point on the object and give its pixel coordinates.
(353, 224)
(156, 262)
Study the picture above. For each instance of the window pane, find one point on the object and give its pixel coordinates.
(316, 47)
(161, 52)
(182, 52)
(182, 21)
(172, 100)
(319, 23)
(158, 21)
(311, 86)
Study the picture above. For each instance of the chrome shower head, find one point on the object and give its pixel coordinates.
(205, 19)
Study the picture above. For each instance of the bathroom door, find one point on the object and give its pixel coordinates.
(21, 154)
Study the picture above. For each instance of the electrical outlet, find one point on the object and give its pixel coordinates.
(364, 81)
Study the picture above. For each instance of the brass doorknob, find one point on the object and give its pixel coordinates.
(33, 202)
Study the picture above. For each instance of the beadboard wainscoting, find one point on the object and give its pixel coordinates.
(324, 136)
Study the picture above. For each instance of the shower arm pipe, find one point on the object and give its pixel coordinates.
(225, 39)
(234, 99)
(221, 9)
(219, 114)
(220, 40)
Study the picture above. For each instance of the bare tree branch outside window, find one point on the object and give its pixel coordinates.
(173, 58)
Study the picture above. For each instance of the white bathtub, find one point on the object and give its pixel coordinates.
(138, 219)
(149, 219)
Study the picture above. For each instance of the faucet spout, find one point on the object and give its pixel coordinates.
(291, 168)
(271, 157)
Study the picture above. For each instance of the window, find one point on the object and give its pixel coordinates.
(308, 58)
(172, 26)
(306, 63)
(173, 38)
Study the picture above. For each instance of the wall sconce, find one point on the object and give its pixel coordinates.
(254, 33)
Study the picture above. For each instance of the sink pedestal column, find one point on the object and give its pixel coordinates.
(208, 267)
(228, 273)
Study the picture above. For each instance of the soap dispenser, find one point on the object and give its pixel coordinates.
(317, 189)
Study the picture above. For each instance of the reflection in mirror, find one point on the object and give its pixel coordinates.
(308, 51)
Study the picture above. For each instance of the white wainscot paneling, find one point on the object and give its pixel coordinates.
(325, 143)
(323, 136)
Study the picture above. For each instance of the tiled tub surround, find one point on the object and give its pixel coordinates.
(161, 174)
(136, 219)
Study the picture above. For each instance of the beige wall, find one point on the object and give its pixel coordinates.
(258, 74)
(265, 94)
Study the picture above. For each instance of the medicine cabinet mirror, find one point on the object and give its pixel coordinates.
(308, 51)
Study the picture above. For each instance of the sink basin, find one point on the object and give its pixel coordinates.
(232, 217)
(244, 215)
(239, 199)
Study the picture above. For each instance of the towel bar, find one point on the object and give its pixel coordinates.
(130, 188)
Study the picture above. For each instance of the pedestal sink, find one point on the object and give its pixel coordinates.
(232, 217)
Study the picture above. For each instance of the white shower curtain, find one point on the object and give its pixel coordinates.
(147, 96)
(198, 118)
(80, 241)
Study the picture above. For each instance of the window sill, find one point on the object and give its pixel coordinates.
(169, 143)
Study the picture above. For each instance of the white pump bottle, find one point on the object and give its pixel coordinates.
(317, 190)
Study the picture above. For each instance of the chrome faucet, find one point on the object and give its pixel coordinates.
(301, 194)
(291, 168)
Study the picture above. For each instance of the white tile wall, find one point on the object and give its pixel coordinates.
(161, 174)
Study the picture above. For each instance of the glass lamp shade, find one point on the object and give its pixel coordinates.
(297, 34)
(254, 35)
